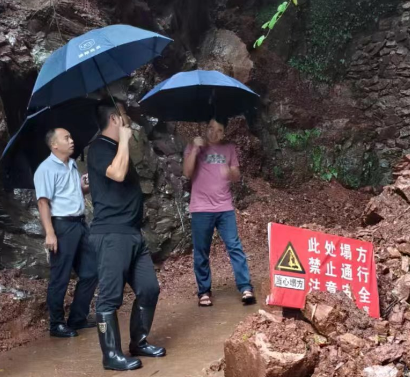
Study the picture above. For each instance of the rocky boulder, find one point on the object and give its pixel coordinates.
(334, 335)
(261, 347)
(223, 50)
(337, 314)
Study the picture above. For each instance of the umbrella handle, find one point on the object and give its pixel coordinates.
(106, 86)
(212, 101)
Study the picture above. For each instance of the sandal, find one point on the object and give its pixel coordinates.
(205, 300)
(248, 298)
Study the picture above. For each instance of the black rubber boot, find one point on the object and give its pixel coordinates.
(110, 341)
(140, 326)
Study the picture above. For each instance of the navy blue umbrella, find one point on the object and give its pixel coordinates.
(27, 148)
(196, 96)
(93, 60)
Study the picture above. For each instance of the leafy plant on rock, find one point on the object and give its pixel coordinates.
(273, 21)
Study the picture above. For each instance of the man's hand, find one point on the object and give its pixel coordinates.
(84, 182)
(190, 160)
(125, 133)
(85, 186)
(51, 242)
(125, 119)
(199, 142)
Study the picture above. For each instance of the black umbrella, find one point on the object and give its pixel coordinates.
(27, 148)
(196, 96)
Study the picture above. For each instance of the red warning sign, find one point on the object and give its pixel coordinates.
(302, 261)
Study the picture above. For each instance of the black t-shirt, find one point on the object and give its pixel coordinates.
(118, 206)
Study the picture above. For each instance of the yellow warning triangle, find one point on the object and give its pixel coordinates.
(289, 261)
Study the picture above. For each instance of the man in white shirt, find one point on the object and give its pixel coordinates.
(60, 193)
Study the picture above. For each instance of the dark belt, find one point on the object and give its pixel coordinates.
(75, 219)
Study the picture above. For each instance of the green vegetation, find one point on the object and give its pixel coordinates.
(298, 140)
(312, 67)
(332, 24)
(351, 164)
(322, 166)
(316, 159)
(269, 25)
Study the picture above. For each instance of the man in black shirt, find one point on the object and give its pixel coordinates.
(122, 255)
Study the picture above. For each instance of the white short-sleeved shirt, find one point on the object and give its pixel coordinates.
(61, 184)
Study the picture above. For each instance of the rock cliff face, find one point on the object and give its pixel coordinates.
(353, 129)
(379, 73)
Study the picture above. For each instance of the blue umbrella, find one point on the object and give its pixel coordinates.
(196, 96)
(93, 60)
(27, 148)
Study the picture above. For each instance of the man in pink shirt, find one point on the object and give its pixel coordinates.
(212, 165)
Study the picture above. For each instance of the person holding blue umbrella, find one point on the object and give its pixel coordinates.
(122, 255)
(211, 164)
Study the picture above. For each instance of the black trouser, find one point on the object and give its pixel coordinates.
(73, 251)
(124, 258)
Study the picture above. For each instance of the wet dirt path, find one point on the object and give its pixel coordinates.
(193, 337)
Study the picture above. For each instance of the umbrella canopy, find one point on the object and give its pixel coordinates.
(196, 96)
(93, 60)
(27, 148)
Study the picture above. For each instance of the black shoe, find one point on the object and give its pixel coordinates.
(110, 341)
(63, 331)
(140, 326)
